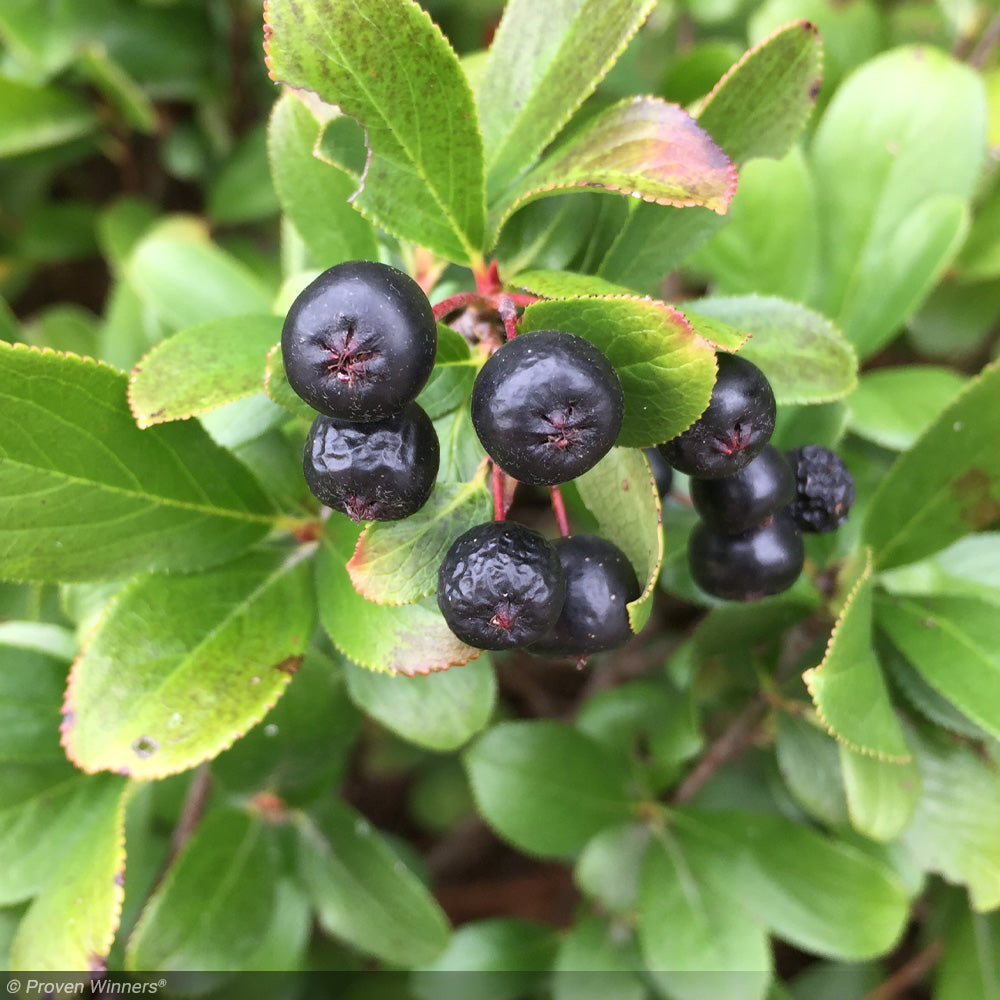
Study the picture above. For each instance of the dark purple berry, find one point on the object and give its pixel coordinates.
(824, 489)
(359, 342)
(733, 429)
(662, 471)
(547, 406)
(745, 567)
(746, 498)
(500, 586)
(600, 582)
(382, 470)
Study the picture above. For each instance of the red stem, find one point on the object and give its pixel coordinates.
(559, 509)
(453, 302)
(488, 281)
(499, 507)
(508, 313)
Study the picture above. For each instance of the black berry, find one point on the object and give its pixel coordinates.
(733, 429)
(745, 567)
(381, 470)
(746, 498)
(824, 488)
(662, 471)
(600, 582)
(359, 342)
(547, 406)
(500, 586)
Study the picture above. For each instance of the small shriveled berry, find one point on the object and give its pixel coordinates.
(359, 342)
(824, 488)
(547, 406)
(745, 567)
(737, 423)
(382, 470)
(500, 586)
(746, 498)
(600, 582)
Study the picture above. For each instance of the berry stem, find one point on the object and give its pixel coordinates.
(488, 281)
(559, 509)
(499, 507)
(508, 313)
(453, 302)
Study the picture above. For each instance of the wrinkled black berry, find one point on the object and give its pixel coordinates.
(359, 342)
(662, 471)
(746, 498)
(500, 586)
(382, 470)
(600, 582)
(547, 406)
(733, 429)
(745, 567)
(824, 489)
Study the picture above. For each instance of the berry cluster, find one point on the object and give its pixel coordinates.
(358, 345)
(753, 501)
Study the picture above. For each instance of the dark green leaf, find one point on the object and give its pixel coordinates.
(455, 368)
(388, 65)
(87, 495)
(31, 685)
(544, 786)
(201, 368)
(810, 764)
(364, 893)
(946, 485)
(34, 118)
(543, 63)
(440, 712)
(971, 958)
(118, 88)
(218, 649)
(242, 190)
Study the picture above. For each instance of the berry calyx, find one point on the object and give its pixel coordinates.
(737, 423)
(382, 470)
(547, 406)
(824, 489)
(753, 564)
(743, 500)
(600, 582)
(500, 586)
(359, 341)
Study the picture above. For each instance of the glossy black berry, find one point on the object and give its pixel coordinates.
(733, 429)
(746, 498)
(359, 342)
(547, 406)
(824, 489)
(382, 470)
(662, 471)
(745, 567)
(600, 582)
(500, 586)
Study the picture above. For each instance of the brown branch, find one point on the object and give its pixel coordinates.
(194, 805)
(909, 974)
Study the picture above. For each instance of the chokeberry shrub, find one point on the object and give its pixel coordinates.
(508, 491)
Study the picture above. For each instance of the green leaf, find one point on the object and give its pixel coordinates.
(315, 195)
(34, 118)
(218, 648)
(388, 65)
(71, 923)
(894, 406)
(31, 685)
(455, 369)
(951, 641)
(809, 763)
(971, 958)
(364, 893)
(956, 827)
(895, 160)
(881, 794)
(201, 368)
(770, 242)
(213, 908)
(643, 147)
(666, 371)
(242, 190)
(608, 867)
(764, 101)
(407, 639)
(440, 712)
(87, 495)
(279, 391)
(621, 493)
(186, 279)
(596, 961)
(703, 943)
(803, 354)
(946, 485)
(542, 64)
(544, 786)
(118, 88)
(397, 562)
(820, 894)
(847, 687)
